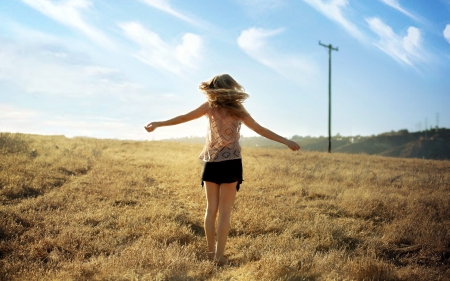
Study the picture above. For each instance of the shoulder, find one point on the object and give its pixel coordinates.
(205, 108)
(205, 105)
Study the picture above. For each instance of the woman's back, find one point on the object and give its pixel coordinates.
(222, 140)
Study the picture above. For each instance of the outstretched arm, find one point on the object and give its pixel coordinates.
(194, 114)
(252, 124)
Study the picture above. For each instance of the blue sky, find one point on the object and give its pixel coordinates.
(105, 69)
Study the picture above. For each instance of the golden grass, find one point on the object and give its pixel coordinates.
(87, 209)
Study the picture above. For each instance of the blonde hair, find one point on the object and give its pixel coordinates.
(224, 92)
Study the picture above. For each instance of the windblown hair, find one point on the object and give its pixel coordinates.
(224, 92)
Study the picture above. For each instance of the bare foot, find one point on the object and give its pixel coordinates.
(210, 255)
(221, 261)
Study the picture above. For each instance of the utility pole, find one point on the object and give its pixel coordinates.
(330, 48)
(437, 120)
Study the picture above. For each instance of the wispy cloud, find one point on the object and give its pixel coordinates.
(254, 40)
(406, 49)
(10, 112)
(40, 70)
(100, 127)
(261, 6)
(161, 55)
(255, 43)
(446, 33)
(17, 120)
(165, 6)
(334, 10)
(69, 13)
(396, 5)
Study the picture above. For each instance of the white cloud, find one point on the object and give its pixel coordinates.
(446, 33)
(112, 128)
(411, 42)
(396, 5)
(32, 36)
(68, 13)
(254, 42)
(161, 55)
(406, 49)
(164, 6)
(188, 52)
(15, 119)
(333, 10)
(10, 112)
(259, 6)
(99, 71)
(98, 127)
(42, 71)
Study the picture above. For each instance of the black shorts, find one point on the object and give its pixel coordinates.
(227, 171)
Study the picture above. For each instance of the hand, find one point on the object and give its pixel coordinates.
(151, 127)
(293, 145)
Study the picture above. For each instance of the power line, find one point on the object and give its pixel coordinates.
(330, 48)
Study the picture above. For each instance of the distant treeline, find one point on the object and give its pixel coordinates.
(429, 144)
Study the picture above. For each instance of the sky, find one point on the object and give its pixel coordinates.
(106, 68)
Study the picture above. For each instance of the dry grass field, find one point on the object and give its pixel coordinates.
(88, 209)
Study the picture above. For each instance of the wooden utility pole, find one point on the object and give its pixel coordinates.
(330, 48)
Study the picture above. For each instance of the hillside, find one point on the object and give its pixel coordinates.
(427, 145)
(428, 149)
(433, 144)
(88, 209)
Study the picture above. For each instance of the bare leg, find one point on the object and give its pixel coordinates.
(226, 201)
(212, 197)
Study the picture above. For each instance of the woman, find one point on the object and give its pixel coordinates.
(222, 171)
